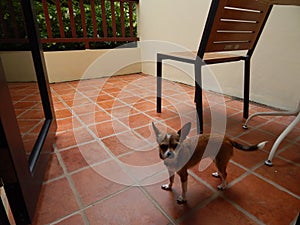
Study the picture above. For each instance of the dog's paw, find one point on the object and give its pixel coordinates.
(222, 187)
(215, 174)
(166, 187)
(181, 200)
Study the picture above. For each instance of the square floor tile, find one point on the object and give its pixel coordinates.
(197, 193)
(292, 153)
(264, 201)
(54, 168)
(73, 137)
(56, 201)
(83, 155)
(92, 186)
(108, 128)
(233, 172)
(128, 207)
(69, 123)
(124, 143)
(95, 117)
(218, 211)
(283, 173)
(72, 220)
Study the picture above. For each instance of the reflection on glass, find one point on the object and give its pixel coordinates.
(21, 80)
(29, 111)
(19, 71)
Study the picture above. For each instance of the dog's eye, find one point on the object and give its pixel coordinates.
(163, 147)
(174, 146)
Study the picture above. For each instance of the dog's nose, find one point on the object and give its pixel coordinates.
(169, 154)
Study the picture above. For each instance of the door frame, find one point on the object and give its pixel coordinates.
(25, 176)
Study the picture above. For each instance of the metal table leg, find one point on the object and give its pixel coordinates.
(296, 113)
(288, 113)
(268, 162)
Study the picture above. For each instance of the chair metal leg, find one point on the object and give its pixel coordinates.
(246, 87)
(159, 84)
(199, 118)
(198, 95)
(268, 162)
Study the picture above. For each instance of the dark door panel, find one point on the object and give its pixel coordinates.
(27, 122)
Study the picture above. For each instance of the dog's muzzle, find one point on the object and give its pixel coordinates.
(167, 155)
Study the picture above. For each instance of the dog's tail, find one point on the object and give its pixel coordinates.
(239, 146)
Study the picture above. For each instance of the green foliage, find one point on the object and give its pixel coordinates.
(78, 23)
(12, 25)
(13, 22)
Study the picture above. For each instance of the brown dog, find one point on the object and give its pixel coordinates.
(180, 154)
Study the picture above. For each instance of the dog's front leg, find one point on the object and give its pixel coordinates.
(168, 187)
(183, 178)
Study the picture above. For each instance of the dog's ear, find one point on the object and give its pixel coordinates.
(184, 131)
(156, 131)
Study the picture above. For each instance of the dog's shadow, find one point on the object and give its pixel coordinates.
(197, 194)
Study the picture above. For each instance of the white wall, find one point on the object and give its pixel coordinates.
(73, 65)
(86, 64)
(18, 66)
(275, 76)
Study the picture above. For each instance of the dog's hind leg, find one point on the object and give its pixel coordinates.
(222, 176)
(182, 198)
(183, 178)
(223, 185)
(215, 174)
(221, 165)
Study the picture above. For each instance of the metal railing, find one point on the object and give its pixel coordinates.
(87, 23)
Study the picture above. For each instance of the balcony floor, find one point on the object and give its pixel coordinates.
(106, 169)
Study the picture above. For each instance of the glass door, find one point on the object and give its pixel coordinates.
(27, 122)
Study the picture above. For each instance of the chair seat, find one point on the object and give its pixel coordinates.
(209, 57)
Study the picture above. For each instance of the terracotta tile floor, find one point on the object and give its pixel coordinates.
(106, 169)
(29, 111)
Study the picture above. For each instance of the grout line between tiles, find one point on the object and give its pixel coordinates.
(105, 148)
(72, 186)
(245, 212)
(118, 118)
(74, 146)
(156, 204)
(248, 171)
(278, 151)
(295, 220)
(240, 178)
(281, 150)
(66, 217)
(220, 194)
(286, 160)
(276, 185)
(252, 171)
(199, 179)
(112, 116)
(82, 210)
(197, 207)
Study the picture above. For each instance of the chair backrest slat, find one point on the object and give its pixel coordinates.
(259, 5)
(237, 25)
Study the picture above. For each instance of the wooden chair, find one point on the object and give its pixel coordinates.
(231, 25)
